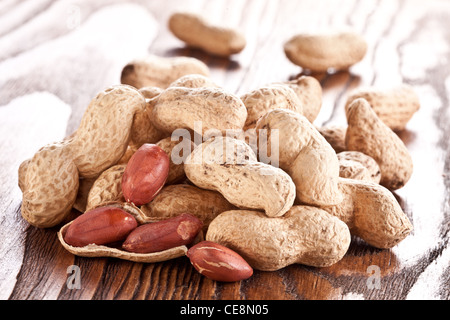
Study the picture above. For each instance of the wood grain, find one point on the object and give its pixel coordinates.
(56, 55)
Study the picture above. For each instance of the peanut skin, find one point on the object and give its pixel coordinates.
(305, 235)
(357, 165)
(276, 96)
(107, 187)
(101, 139)
(218, 263)
(95, 250)
(145, 174)
(100, 226)
(305, 155)
(163, 235)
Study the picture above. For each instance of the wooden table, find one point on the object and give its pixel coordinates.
(55, 56)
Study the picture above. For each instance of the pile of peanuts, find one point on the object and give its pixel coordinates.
(169, 164)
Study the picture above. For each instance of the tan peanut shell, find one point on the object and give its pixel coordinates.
(359, 166)
(335, 136)
(260, 101)
(309, 92)
(143, 130)
(230, 167)
(93, 250)
(372, 213)
(104, 132)
(107, 187)
(22, 171)
(197, 32)
(179, 198)
(193, 81)
(154, 71)
(50, 186)
(304, 235)
(127, 155)
(319, 52)
(305, 155)
(150, 92)
(85, 186)
(215, 108)
(176, 170)
(394, 106)
(368, 134)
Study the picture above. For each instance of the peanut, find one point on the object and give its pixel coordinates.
(305, 235)
(193, 81)
(305, 155)
(196, 32)
(100, 226)
(107, 187)
(145, 174)
(176, 169)
(178, 198)
(372, 213)
(154, 71)
(319, 52)
(359, 166)
(163, 235)
(260, 101)
(143, 130)
(335, 136)
(84, 187)
(368, 134)
(230, 167)
(101, 140)
(50, 185)
(309, 92)
(95, 250)
(218, 262)
(394, 106)
(180, 107)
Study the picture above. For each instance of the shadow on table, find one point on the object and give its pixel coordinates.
(229, 64)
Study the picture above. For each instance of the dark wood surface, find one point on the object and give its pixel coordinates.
(56, 55)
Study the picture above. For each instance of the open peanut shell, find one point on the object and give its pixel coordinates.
(93, 250)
